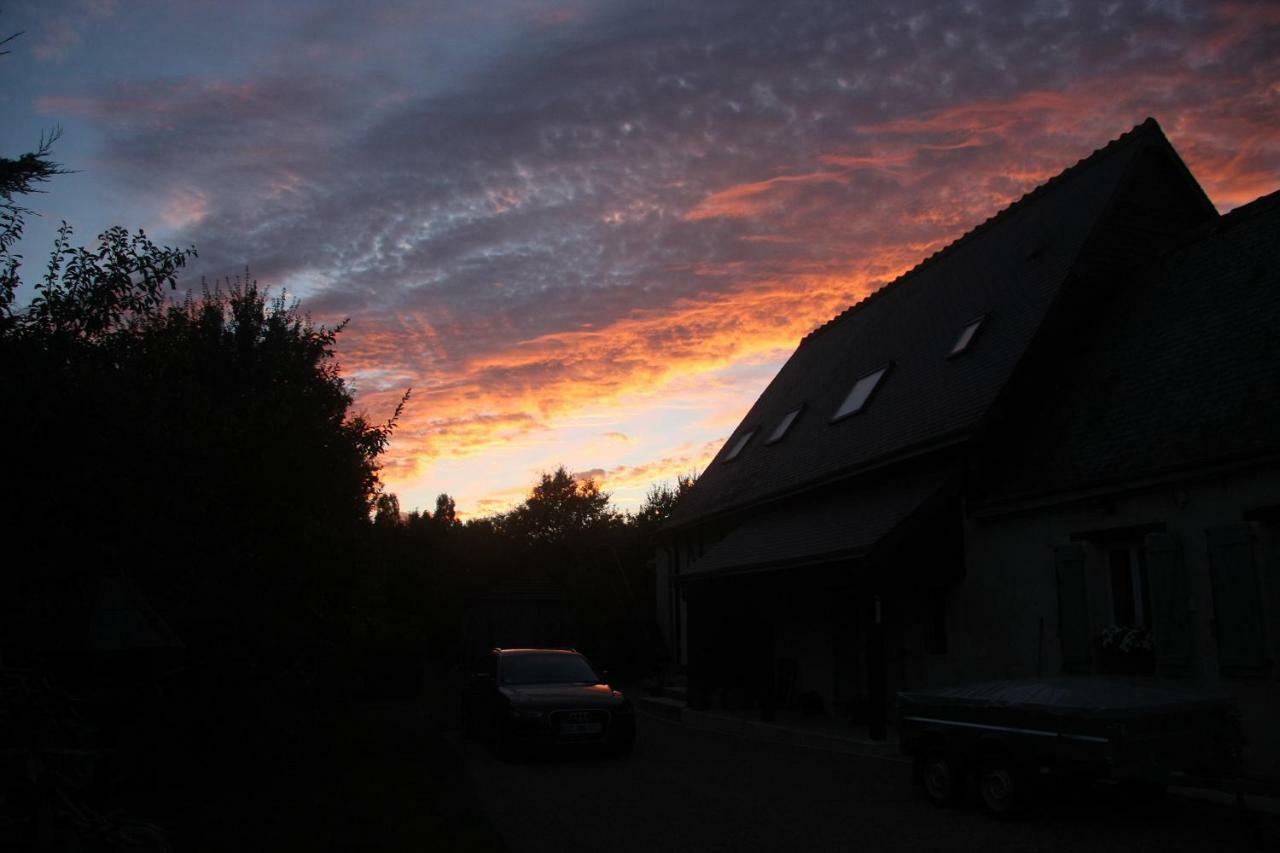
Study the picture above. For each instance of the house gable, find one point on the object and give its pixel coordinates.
(1010, 271)
(1190, 341)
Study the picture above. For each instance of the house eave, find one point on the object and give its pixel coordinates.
(824, 560)
(1118, 486)
(914, 452)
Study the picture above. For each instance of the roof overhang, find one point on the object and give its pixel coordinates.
(839, 526)
(844, 479)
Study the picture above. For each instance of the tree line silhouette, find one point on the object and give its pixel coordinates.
(207, 449)
(204, 580)
(565, 539)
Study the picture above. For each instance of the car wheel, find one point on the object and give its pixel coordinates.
(1003, 789)
(942, 778)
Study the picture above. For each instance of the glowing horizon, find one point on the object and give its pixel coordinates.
(588, 233)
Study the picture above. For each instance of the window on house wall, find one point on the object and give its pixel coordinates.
(739, 445)
(1237, 611)
(1265, 526)
(784, 425)
(1169, 604)
(1073, 607)
(1127, 576)
(967, 334)
(1136, 576)
(860, 394)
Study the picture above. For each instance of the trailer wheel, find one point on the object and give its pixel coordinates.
(1003, 789)
(942, 778)
(1144, 791)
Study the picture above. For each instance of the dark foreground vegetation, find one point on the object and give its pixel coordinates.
(216, 629)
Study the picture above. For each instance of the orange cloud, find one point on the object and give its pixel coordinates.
(516, 400)
(752, 199)
(666, 469)
(629, 478)
(1239, 21)
(494, 503)
(947, 171)
(504, 397)
(1229, 143)
(185, 207)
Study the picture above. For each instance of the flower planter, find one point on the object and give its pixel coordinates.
(1112, 662)
(1125, 650)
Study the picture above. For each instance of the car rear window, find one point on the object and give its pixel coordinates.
(546, 669)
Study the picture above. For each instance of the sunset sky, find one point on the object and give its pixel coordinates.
(589, 232)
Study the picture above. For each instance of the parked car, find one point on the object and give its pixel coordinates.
(1006, 738)
(551, 699)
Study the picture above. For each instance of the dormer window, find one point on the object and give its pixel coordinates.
(860, 394)
(967, 334)
(738, 446)
(783, 425)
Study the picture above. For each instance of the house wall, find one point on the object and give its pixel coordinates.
(672, 558)
(804, 632)
(665, 600)
(671, 605)
(742, 632)
(815, 624)
(1004, 617)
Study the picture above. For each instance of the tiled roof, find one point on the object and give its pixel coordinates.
(1182, 369)
(1010, 269)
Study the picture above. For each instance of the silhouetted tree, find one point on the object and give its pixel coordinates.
(565, 538)
(560, 508)
(387, 510)
(446, 514)
(90, 295)
(214, 436)
(20, 176)
(659, 502)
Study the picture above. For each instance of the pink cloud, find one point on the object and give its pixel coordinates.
(752, 199)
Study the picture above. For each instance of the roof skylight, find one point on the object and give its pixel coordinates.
(738, 445)
(783, 425)
(861, 392)
(966, 336)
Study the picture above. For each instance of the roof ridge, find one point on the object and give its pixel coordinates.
(1226, 221)
(1261, 204)
(1146, 126)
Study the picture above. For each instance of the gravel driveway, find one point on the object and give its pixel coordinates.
(686, 790)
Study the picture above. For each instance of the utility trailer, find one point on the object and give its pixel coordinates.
(1008, 739)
